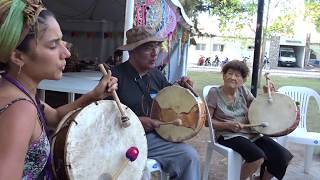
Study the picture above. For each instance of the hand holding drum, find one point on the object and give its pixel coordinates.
(187, 83)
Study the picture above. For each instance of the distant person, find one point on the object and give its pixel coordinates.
(216, 61)
(266, 63)
(226, 60)
(207, 61)
(245, 59)
(115, 59)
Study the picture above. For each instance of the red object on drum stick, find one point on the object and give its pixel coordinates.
(124, 119)
(131, 155)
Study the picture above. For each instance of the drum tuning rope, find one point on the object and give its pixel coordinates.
(124, 119)
(131, 155)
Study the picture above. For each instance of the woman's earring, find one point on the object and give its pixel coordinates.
(20, 66)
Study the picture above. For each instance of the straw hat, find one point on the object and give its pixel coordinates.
(138, 36)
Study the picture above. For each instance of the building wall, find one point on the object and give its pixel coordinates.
(223, 47)
(274, 50)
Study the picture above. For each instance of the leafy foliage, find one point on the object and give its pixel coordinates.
(312, 11)
(231, 13)
(237, 13)
(282, 25)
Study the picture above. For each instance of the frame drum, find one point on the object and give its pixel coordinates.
(90, 144)
(280, 114)
(176, 102)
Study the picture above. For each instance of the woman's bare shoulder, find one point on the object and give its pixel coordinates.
(20, 111)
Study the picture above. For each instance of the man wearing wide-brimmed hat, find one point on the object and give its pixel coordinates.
(138, 82)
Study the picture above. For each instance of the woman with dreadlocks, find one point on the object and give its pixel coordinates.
(31, 50)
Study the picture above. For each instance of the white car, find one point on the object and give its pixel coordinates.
(287, 57)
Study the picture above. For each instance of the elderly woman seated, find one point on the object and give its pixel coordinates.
(228, 106)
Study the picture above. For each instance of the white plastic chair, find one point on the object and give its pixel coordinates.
(234, 158)
(153, 166)
(301, 134)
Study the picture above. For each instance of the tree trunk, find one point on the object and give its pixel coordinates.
(307, 52)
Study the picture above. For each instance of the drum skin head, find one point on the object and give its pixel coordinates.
(280, 114)
(96, 145)
(175, 102)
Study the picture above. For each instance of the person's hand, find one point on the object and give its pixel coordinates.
(148, 124)
(234, 126)
(185, 80)
(105, 87)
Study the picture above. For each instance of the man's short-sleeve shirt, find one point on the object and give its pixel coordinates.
(137, 91)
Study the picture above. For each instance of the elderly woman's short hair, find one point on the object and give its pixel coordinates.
(238, 66)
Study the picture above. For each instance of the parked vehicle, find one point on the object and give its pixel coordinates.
(201, 60)
(287, 57)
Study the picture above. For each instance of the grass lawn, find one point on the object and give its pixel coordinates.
(202, 79)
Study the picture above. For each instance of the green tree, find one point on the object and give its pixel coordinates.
(232, 14)
(312, 11)
(282, 25)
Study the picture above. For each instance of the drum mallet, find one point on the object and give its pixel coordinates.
(263, 124)
(269, 90)
(124, 119)
(177, 122)
(131, 155)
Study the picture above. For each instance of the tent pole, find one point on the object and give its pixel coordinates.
(128, 24)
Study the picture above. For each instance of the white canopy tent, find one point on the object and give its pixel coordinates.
(97, 27)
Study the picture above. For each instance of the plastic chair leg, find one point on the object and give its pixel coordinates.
(308, 154)
(154, 166)
(234, 166)
(205, 174)
(163, 176)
